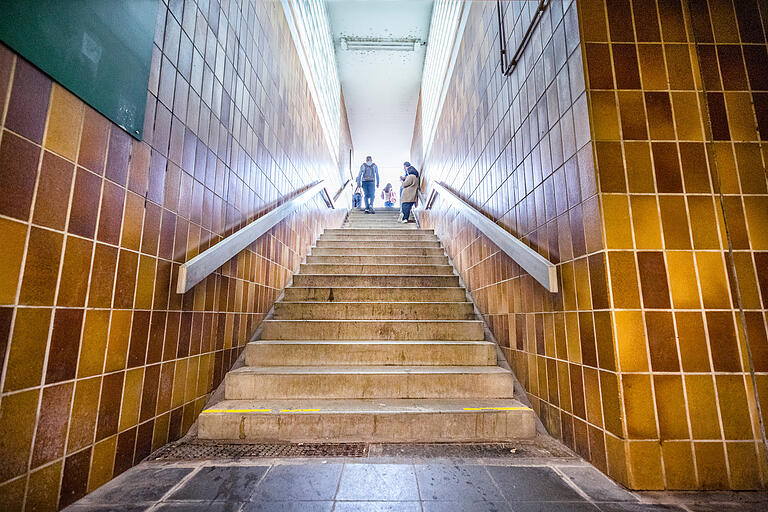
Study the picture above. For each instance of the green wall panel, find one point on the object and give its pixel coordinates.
(101, 50)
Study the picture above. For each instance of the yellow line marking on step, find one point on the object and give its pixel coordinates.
(236, 410)
(497, 408)
(299, 410)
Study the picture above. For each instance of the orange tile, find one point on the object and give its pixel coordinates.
(674, 219)
(756, 210)
(744, 466)
(83, 420)
(639, 406)
(692, 341)
(687, 115)
(94, 343)
(679, 470)
(639, 170)
(645, 465)
(616, 454)
(605, 115)
(704, 229)
(682, 280)
(12, 237)
(119, 334)
(734, 410)
(714, 285)
(710, 462)
(645, 221)
(618, 226)
(28, 344)
(670, 404)
(630, 339)
(700, 392)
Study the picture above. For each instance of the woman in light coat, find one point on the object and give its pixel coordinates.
(409, 194)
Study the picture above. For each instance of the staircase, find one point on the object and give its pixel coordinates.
(374, 341)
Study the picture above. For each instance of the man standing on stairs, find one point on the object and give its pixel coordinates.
(369, 180)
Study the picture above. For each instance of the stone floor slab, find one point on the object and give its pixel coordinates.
(457, 483)
(310, 482)
(378, 482)
(531, 483)
(221, 483)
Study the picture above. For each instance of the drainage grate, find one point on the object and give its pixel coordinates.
(198, 449)
(513, 450)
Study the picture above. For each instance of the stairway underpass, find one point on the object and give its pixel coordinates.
(374, 341)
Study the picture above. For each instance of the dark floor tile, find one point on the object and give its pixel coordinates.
(635, 507)
(596, 485)
(137, 485)
(221, 483)
(478, 506)
(311, 482)
(383, 482)
(377, 506)
(560, 506)
(288, 506)
(717, 507)
(532, 484)
(442, 482)
(77, 507)
(203, 506)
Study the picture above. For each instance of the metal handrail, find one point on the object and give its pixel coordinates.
(540, 268)
(202, 265)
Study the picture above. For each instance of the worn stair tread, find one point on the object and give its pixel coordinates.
(369, 370)
(370, 342)
(367, 406)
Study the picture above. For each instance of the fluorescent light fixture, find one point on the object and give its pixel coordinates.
(394, 45)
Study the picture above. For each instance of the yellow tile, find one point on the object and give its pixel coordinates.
(678, 464)
(618, 227)
(616, 455)
(639, 407)
(645, 465)
(28, 344)
(645, 221)
(702, 405)
(734, 410)
(573, 337)
(102, 463)
(179, 378)
(94, 343)
(710, 462)
(682, 280)
(18, 413)
(714, 286)
(12, 495)
(743, 465)
(592, 397)
(129, 409)
(64, 123)
(119, 335)
(630, 340)
(583, 293)
(756, 210)
(12, 238)
(43, 491)
(670, 404)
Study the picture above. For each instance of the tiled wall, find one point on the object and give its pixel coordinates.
(101, 360)
(596, 155)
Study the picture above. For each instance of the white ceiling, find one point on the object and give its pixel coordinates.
(381, 88)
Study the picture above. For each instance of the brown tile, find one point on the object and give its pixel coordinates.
(74, 272)
(12, 237)
(28, 344)
(626, 66)
(620, 21)
(111, 216)
(754, 57)
(687, 119)
(156, 180)
(43, 491)
(6, 316)
(610, 164)
(151, 232)
(732, 67)
(137, 350)
(661, 125)
(592, 20)
(65, 343)
(674, 220)
(670, 404)
(17, 423)
(18, 172)
(695, 171)
(28, 104)
(717, 116)
(109, 405)
(138, 168)
(704, 229)
(758, 339)
(125, 282)
(64, 123)
(93, 141)
(126, 444)
(661, 341)
(749, 164)
(94, 343)
(74, 482)
(646, 222)
(713, 280)
(605, 118)
(118, 154)
(102, 276)
(692, 341)
(710, 461)
(743, 466)
(85, 204)
(672, 20)
(129, 408)
(53, 189)
(7, 58)
(679, 65)
(708, 67)
(667, 167)
(632, 115)
(599, 70)
(149, 392)
(653, 279)
(132, 221)
(723, 342)
(41, 268)
(12, 494)
(646, 20)
(52, 423)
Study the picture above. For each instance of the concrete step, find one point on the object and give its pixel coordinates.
(374, 280)
(350, 244)
(379, 260)
(384, 251)
(375, 294)
(372, 330)
(374, 231)
(368, 352)
(388, 420)
(380, 269)
(358, 237)
(374, 310)
(328, 382)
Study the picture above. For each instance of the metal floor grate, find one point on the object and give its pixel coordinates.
(198, 449)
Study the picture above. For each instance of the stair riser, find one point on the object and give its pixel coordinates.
(373, 294)
(241, 386)
(369, 280)
(343, 244)
(415, 427)
(467, 330)
(355, 237)
(334, 269)
(369, 310)
(378, 260)
(377, 251)
(373, 231)
(391, 353)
